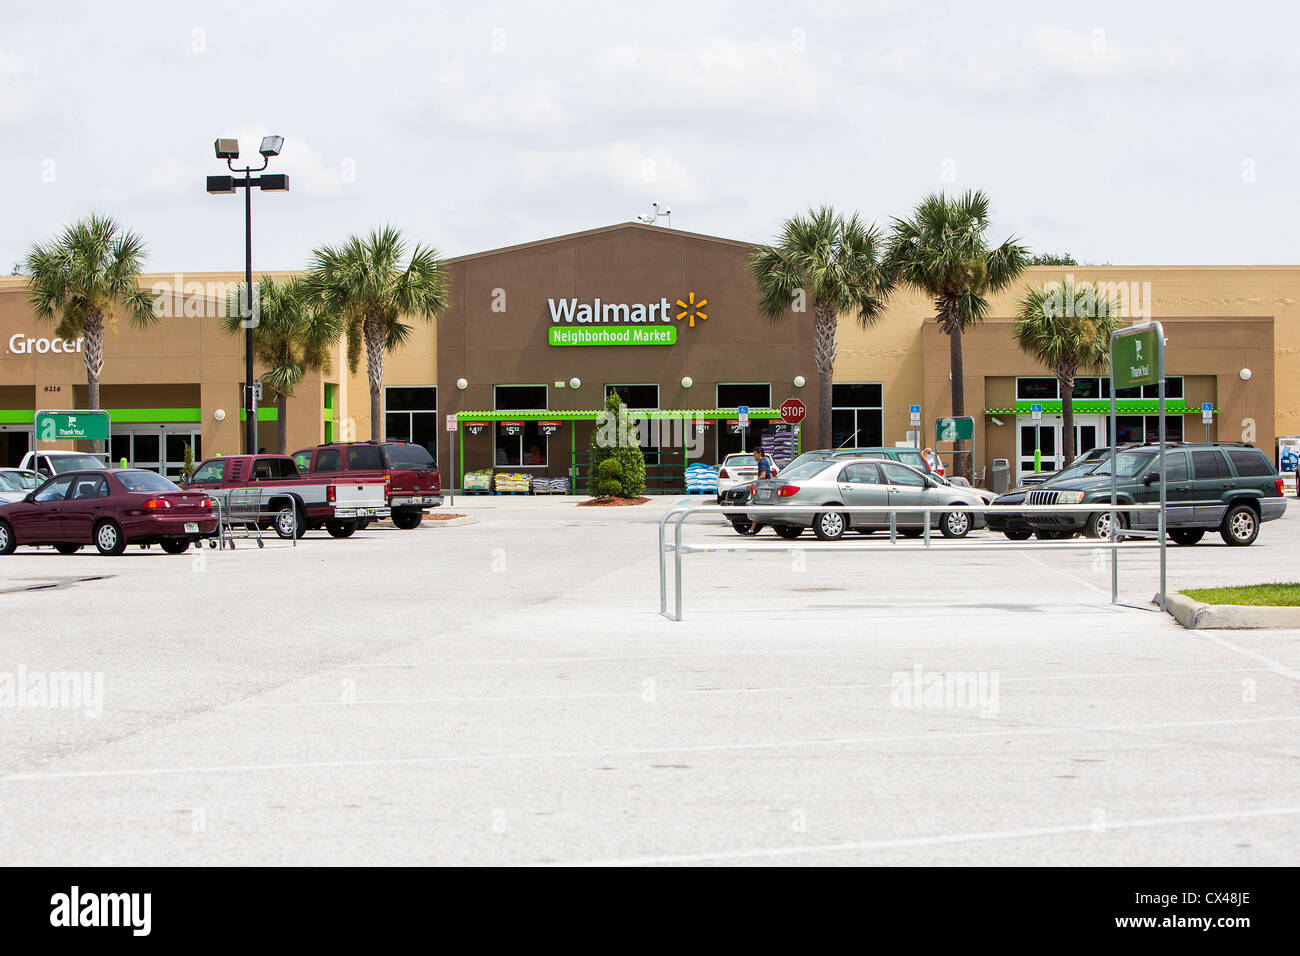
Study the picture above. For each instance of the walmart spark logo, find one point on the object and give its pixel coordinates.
(692, 309)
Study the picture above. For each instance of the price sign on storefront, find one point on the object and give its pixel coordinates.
(511, 429)
(733, 424)
(475, 428)
(549, 428)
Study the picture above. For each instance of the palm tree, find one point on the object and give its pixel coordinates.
(832, 263)
(1068, 329)
(365, 286)
(81, 279)
(942, 251)
(291, 339)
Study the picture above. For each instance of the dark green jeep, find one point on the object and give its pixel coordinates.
(1229, 487)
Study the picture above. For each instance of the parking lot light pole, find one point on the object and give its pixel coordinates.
(228, 149)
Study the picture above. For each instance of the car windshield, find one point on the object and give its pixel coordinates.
(737, 461)
(806, 470)
(8, 484)
(408, 456)
(1128, 464)
(146, 482)
(1079, 469)
(62, 463)
(23, 480)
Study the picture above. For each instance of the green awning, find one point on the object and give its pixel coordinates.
(533, 415)
(1125, 406)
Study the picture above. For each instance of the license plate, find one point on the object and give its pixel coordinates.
(191, 527)
(765, 494)
(363, 512)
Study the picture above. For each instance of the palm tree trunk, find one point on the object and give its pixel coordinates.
(92, 355)
(1066, 378)
(961, 463)
(825, 328)
(282, 426)
(374, 335)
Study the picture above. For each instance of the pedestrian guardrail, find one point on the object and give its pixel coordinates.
(1143, 539)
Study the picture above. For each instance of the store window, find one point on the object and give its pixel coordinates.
(1092, 387)
(857, 414)
(411, 414)
(1146, 428)
(520, 444)
(730, 438)
(755, 396)
(639, 398)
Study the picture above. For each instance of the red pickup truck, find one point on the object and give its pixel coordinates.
(412, 478)
(294, 501)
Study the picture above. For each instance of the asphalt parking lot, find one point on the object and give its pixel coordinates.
(507, 693)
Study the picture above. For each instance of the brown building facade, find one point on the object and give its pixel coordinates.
(670, 320)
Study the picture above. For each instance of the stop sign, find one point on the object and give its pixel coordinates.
(793, 411)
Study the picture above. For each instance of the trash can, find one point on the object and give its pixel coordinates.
(1001, 475)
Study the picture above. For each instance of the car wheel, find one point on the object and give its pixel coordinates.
(1187, 535)
(1098, 525)
(955, 524)
(788, 531)
(289, 522)
(830, 525)
(341, 529)
(109, 538)
(67, 548)
(7, 540)
(1018, 535)
(175, 545)
(407, 518)
(1240, 526)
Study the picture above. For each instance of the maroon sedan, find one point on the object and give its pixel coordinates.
(109, 509)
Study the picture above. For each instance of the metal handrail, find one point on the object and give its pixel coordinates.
(1113, 543)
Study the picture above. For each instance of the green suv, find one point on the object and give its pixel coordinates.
(1229, 487)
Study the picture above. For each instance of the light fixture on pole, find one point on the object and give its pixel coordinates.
(228, 149)
(653, 218)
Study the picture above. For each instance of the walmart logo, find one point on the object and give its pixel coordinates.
(692, 309)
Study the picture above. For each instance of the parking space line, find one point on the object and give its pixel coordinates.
(639, 751)
(1268, 662)
(805, 688)
(1065, 574)
(940, 840)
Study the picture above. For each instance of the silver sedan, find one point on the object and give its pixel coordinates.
(848, 485)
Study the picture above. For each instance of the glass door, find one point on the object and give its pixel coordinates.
(1043, 436)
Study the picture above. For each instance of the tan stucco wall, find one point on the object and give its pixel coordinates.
(1219, 319)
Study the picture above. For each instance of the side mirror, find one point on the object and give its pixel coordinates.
(29, 497)
(1150, 477)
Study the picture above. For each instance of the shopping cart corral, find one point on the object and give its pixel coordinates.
(670, 542)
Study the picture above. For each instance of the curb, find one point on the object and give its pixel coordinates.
(450, 522)
(1197, 616)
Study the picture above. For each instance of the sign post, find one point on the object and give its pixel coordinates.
(742, 415)
(452, 428)
(793, 412)
(1207, 417)
(1137, 358)
(915, 414)
(1036, 411)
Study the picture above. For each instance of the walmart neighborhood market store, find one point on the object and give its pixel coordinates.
(544, 329)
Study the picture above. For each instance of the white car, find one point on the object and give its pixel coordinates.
(51, 463)
(12, 487)
(738, 469)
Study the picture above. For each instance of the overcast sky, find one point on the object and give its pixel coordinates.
(1121, 132)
